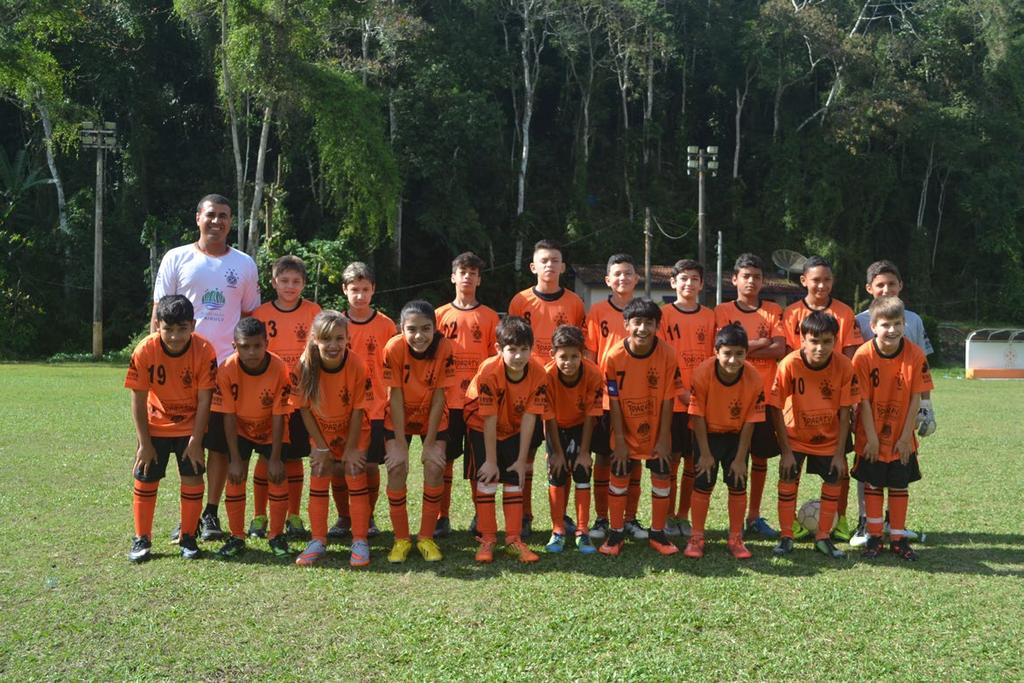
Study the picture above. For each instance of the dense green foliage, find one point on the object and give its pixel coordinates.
(863, 130)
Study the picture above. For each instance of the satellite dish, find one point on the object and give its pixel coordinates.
(791, 262)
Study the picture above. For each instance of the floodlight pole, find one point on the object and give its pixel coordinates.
(701, 160)
(101, 137)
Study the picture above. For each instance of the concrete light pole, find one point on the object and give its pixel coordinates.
(101, 138)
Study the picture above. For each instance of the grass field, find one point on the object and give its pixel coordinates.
(74, 608)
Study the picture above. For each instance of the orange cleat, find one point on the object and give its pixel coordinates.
(736, 547)
(660, 543)
(695, 547)
(485, 553)
(521, 551)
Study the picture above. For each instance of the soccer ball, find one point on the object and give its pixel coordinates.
(808, 514)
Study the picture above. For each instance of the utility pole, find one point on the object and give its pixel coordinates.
(101, 138)
(718, 277)
(701, 160)
(647, 252)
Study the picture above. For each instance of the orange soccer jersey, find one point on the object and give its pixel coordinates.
(568, 404)
(287, 331)
(471, 333)
(342, 391)
(492, 393)
(889, 383)
(691, 336)
(173, 383)
(545, 312)
(418, 376)
(254, 397)
(810, 400)
(640, 384)
(605, 329)
(849, 330)
(727, 407)
(367, 340)
(764, 322)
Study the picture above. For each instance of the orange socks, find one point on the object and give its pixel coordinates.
(873, 504)
(527, 496)
(191, 507)
(234, 501)
(618, 488)
(844, 496)
(827, 514)
(512, 506)
(446, 496)
(898, 500)
(294, 472)
(602, 474)
(699, 503)
(319, 501)
(686, 488)
(339, 489)
(143, 506)
(737, 506)
(557, 501)
(278, 495)
(431, 506)
(636, 473)
(787, 506)
(359, 504)
(373, 485)
(486, 512)
(660, 502)
(399, 514)
(758, 473)
(259, 488)
(582, 508)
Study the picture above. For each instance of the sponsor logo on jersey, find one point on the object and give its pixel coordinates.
(213, 299)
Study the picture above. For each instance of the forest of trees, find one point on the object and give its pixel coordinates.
(402, 133)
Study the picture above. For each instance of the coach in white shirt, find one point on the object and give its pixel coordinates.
(222, 284)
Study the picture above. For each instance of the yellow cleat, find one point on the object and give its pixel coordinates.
(429, 550)
(400, 551)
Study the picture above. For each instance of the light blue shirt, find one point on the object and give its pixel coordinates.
(913, 330)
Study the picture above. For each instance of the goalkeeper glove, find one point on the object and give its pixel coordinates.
(926, 418)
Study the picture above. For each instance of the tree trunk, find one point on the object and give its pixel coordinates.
(938, 220)
(229, 96)
(397, 231)
(62, 209)
(257, 197)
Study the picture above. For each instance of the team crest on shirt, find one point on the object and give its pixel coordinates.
(899, 381)
(826, 389)
(581, 405)
(885, 432)
(560, 319)
(429, 379)
(345, 396)
(371, 344)
(477, 333)
(643, 431)
(519, 407)
(762, 330)
(186, 378)
(702, 334)
(232, 277)
(337, 443)
(652, 378)
(734, 409)
(266, 398)
(301, 332)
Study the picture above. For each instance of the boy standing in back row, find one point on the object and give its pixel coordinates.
(544, 306)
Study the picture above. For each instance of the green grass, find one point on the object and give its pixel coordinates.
(74, 608)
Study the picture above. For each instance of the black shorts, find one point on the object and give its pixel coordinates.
(298, 439)
(682, 437)
(890, 475)
(600, 440)
(538, 435)
(508, 453)
(570, 439)
(375, 452)
(456, 444)
(816, 464)
(763, 443)
(164, 446)
(653, 464)
(723, 450)
(216, 440)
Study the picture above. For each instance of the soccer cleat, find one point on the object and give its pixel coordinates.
(279, 546)
(570, 526)
(233, 547)
(872, 548)
(860, 534)
(784, 547)
(694, 547)
(660, 543)
(613, 544)
(429, 550)
(485, 553)
(360, 556)
(761, 527)
(584, 545)
(312, 554)
(600, 529)
(826, 547)
(258, 527)
(177, 532)
(556, 543)
(527, 527)
(800, 532)
(901, 548)
(140, 549)
(737, 548)
(189, 548)
(294, 527)
(341, 528)
(911, 535)
(443, 527)
(684, 526)
(842, 531)
(372, 529)
(521, 551)
(635, 530)
(400, 551)
(672, 527)
(210, 529)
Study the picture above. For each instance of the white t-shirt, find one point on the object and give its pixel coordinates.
(913, 329)
(220, 288)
